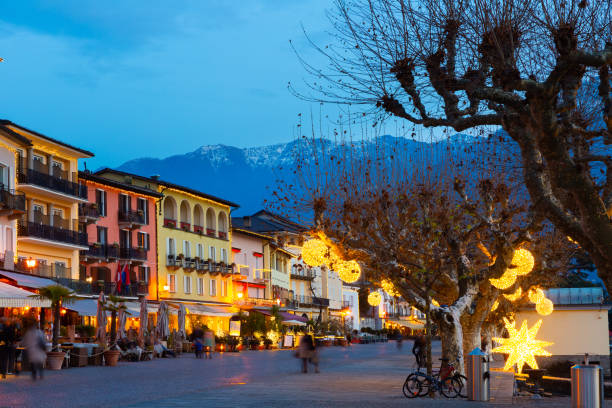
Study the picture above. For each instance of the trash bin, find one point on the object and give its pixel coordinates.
(587, 386)
(479, 386)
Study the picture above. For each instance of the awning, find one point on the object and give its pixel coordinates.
(294, 323)
(28, 281)
(285, 315)
(412, 324)
(84, 307)
(206, 310)
(12, 296)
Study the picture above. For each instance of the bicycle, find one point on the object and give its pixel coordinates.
(447, 381)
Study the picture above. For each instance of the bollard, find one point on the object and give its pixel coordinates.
(587, 386)
(478, 383)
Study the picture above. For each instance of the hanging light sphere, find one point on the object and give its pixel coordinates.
(314, 252)
(545, 307)
(349, 271)
(514, 296)
(522, 261)
(389, 288)
(506, 280)
(374, 299)
(536, 295)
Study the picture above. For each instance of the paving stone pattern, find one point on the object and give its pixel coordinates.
(369, 375)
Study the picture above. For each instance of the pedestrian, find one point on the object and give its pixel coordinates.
(306, 351)
(209, 343)
(418, 349)
(36, 350)
(8, 340)
(198, 346)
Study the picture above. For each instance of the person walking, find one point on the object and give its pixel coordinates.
(209, 343)
(306, 351)
(418, 349)
(8, 339)
(35, 344)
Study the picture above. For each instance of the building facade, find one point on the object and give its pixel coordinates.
(120, 220)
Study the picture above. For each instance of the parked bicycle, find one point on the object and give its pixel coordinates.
(447, 381)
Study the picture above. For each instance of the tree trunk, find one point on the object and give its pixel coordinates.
(56, 324)
(451, 335)
(113, 332)
(428, 365)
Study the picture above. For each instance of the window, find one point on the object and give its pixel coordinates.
(187, 284)
(171, 249)
(223, 288)
(200, 286)
(102, 235)
(143, 240)
(125, 238)
(211, 253)
(172, 283)
(9, 239)
(213, 287)
(124, 203)
(39, 214)
(4, 177)
(57, 169)
(224, 255)
(101, 202)
(142, 206)
(200, 251)
(144, 274)
(187, 249)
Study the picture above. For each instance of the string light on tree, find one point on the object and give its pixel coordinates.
(349, 271)
(506, 280)
(389, 288)
(521, 346)
(514, 296)
(522, 262)
(374, 299)
(545, 307)
(495, 306)
(536, 295)
(314, 252)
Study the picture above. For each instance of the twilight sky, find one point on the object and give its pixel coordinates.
(128, 79)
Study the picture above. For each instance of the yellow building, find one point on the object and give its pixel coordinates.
(193, 250)
(47, 173)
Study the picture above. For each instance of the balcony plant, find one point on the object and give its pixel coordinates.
(58, 295)
(113, 304)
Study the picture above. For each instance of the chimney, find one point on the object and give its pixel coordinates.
(246, 220)
(155, 177)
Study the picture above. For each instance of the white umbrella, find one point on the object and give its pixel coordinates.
(181, 321)
(162, 320)
(293, 323)
(122, 318)
(143, 319)
(101, 318)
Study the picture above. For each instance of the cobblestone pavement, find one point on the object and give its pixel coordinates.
(369, 375)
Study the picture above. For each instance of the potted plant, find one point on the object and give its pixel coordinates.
(267, 343)
(254, 343)
(232, 343)
(220, 343)
(113, 304)
(57, 295)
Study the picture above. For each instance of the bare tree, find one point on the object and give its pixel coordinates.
(539, 69)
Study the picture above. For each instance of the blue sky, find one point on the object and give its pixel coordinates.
(128, 79)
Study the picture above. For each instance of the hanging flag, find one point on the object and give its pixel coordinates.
(118, 279)
(127, 275)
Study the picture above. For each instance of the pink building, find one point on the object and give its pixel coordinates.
(120, 221)
(250, 252)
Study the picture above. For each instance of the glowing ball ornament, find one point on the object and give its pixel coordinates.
(536, 295)
(544, 307)
(514, 296)
(374, 299)
(389, 288)
(506, 280)
(314, 252)
(522, 262)
(349, 271)
(521, 346)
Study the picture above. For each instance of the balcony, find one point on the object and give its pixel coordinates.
(302, 274)
(58, 233)
(317, 301)
(58, 182)
(99, 253)
(189, 263)
(210, 232)
(131, 219)
(51, 271)
(222, 235)
(173, 262)
(198, 229)
(202, 266)
(169, 223)
(133, 254)
(347, 304)
(88, 213)
(185, 226)
(108, 288)
(12, 204)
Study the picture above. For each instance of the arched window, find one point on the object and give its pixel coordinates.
(198, 219)
(185, 215)
(211, 225)
(222, 225)
(169, 212)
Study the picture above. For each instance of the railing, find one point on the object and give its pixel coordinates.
(44, 231)
(52, 182)
(198, 229)
(202, 265)
(95, 251)
(189, 263)
(132, 217)
(108, 288)
(52, 271)
(347, 304)
(172, 260)
(185, 226)
(133, 253)
(170, 223)
(302, 274)
(222, 235)
(210, 232)
(12, 200)
(89, 210)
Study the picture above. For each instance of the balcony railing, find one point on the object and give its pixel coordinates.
(52, 271)
(134, 218)
(133, 253)
(202, 266)
(101, 251)
(189, 263)
(108, 288)
(185, 226)
(222, 235)
(12, 203)
(302, 274)
(170, 223)
(173, 261)
(347, 304)
(210, 232)
(58, 182)
(89, 211)
(53, 233)
(198, 229)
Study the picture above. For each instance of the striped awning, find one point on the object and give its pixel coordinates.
(11, 296)
(206, 310)
(28, 281)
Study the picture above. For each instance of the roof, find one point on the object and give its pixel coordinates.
(4, 123)
(27, 281)
(265, 222)
(85, 175)
(576, 296)
(169, 185)
(251, 233)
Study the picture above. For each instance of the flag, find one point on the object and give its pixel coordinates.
(118, 280)
(127, 275)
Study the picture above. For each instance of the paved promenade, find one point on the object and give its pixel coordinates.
(369, 375)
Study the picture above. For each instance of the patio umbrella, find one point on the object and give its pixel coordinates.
(162, 320)
(143, 319)
(181, 321)
(121, 321)
(101, 320)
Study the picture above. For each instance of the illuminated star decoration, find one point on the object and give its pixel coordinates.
(521, 346)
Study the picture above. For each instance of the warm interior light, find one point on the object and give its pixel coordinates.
(278, 301)
(31, 262)
(63, 312)
(166, 287)
(240, 295)
(89, 279)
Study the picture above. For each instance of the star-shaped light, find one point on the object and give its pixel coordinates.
(521, 346)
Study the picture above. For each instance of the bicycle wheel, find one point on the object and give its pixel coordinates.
(464, 384)
(450, 387)
(412, 386)
(427, 385)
